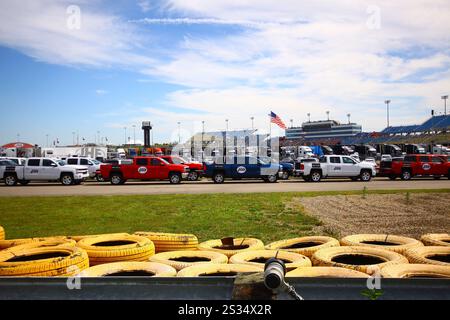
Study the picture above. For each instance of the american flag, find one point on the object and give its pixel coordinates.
(277, 120)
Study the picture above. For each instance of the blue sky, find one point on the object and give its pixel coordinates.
(118, 63)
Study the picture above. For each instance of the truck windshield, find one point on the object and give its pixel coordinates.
(61, 162)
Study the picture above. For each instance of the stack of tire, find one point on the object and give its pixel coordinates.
(2, 233)
(170, 241)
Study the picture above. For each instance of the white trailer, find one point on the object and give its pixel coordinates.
(66, 152)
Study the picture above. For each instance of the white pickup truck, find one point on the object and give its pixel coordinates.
(92, 165)
(336, 166)
(45, 169)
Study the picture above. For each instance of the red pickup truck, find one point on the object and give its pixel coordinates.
(144, 168)
(416, 165)
(195, 168)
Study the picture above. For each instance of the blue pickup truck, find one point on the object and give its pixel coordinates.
(236, 167)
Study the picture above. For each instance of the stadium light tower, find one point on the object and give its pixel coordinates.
(445, 103)
(328, 115)
(292, 123)
(179, 132)
(348, 116)
(387, 111)
(253, 126)
(309, 116)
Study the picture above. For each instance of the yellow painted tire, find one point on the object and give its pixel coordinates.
(364, 259)
(2, 233)
(240, 245)
(415, 270)
(5, 244)
(78, 238)
(47, 261)
(292, 260)
(326, 272)
(170, 241)
(45, 244)
(115, 248)
(382, 241)
(437, 255)
(183, 259)
(304, 245)
(149, 269)
(436, 239)
(212, 269)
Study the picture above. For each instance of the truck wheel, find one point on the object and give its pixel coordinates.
(99, 178)
(175, 178)
(66, 179)
(285, 175)
(271, 179)
(116, 179)
(316, 176)
(24, 182)
(10, 181)
(365, 176)
(193, 176)
(406, 175)
(218, 177)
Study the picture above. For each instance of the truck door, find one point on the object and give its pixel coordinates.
(424, 167)
(49, 170)
(335, 167)
(141, 169)
(158, 169)
(32, 169)
(349, 167)
(437, 166)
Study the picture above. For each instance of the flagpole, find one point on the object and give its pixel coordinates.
(270, 133)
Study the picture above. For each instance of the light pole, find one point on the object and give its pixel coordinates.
(46, 136)
(73, 137)
(348, 116)
(292, 123)
(387, 111)
(134, 134)
(252, 118)
(328, 115)
(445, 103)
(226, 120)
(18, 137)
(179, 133)
(98, 137)
(125, 128)
(309, 117)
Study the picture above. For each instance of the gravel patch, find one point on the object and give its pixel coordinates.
(403, 214)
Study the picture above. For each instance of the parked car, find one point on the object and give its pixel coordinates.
(417, 165)
(241, 167)
(195, 168)
(144, 168)
(92, 165)
(45, 169)
(336, 166)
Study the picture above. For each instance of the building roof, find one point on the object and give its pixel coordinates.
(18, 145)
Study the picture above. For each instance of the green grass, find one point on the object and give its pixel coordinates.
(268, 216)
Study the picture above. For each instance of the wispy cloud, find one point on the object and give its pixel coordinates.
(101, 92)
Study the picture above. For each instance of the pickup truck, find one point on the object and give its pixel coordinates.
(45, 169)
(195, 168)
(92, 165)
(144, 168)
(338, 166)
(416, 165)
(241, 167)
(6, 165)
(287, 167)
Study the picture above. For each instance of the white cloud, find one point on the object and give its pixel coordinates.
(101, 92)
(39, 29)
(145, 5)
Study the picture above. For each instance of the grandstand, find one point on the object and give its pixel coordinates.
(433, 125)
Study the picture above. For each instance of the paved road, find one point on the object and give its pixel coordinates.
(205, 186)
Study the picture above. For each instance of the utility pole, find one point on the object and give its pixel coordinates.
(387, 111)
